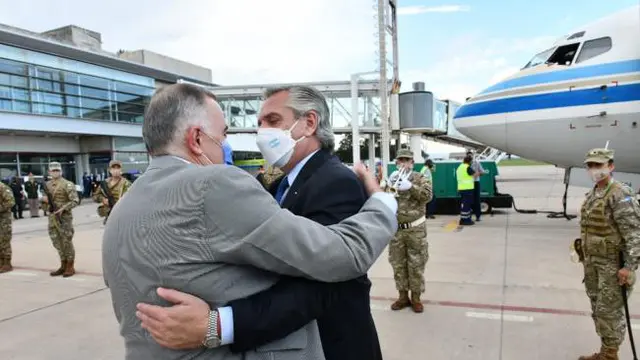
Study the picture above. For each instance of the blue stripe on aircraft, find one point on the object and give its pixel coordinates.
(619, 67)
(593, 96)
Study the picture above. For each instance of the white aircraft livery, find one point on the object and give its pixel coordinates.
(582, 92)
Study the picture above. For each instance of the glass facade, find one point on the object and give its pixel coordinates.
(37, 164)
(98, 94)
(243, 113)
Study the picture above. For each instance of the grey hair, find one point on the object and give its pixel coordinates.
(171, 111)
(302, 100)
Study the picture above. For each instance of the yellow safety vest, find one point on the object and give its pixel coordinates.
(465, 181)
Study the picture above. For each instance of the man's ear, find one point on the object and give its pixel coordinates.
(311, 123)
(192, 140)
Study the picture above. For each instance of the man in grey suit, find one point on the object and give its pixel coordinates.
(211, 230)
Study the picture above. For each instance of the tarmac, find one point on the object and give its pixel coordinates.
(502, 289)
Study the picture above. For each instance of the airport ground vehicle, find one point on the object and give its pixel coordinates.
(445, 187)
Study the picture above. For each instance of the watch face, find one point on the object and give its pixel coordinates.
(212, 343)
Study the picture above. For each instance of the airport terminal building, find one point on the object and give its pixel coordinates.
(63, 98)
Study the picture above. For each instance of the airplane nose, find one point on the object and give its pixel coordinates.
(478, 121)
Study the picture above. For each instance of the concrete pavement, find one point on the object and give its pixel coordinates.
(503, 289)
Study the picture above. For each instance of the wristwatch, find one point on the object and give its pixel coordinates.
(212, 340)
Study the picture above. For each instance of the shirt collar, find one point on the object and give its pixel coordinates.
(181, 159)
(293, 174)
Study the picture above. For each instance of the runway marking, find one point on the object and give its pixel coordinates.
(635, 326)
(72, 278)
(443, 303)
(87, 273)
(507, 308)
(22, 273)
(453, 225)
(495, 316)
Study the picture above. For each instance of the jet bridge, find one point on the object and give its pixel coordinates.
(241, 105)
(421, 114)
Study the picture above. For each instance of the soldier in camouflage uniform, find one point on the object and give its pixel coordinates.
(409, 250)
(64, 198)
(609, 225)
(117, 186)
(6, 203)
(271, 175)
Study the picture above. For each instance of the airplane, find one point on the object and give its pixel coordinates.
(582, 92)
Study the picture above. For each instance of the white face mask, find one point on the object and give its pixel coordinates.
(276, 145)
(599, 174)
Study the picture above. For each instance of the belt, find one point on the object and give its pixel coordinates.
(420, 221)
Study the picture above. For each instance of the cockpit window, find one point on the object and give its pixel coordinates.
(564, 55)
(593, 48)
(539, 58)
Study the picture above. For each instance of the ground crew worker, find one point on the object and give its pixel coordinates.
(609, 225)
(478, 170)
(115, 187)
(60, 199)
(7, 201)
(464, 176)
(409, 250)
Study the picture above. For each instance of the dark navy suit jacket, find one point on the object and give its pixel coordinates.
(327, 192)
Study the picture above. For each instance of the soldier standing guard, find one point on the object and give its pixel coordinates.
(7, 201)
(60, 198)
(115, 187)
(409, 250)
(610, 250)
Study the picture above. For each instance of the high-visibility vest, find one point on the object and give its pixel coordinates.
(465, 181)
(426, 172)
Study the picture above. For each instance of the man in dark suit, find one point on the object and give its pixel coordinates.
(318, 186)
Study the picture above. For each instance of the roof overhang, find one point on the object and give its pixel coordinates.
(67, 51)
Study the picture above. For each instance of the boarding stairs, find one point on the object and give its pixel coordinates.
(492, 154)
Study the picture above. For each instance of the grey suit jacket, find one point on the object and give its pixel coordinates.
(214, 232)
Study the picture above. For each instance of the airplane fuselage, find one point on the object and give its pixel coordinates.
(582, 93)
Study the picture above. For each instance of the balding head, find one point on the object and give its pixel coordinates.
(176, 118)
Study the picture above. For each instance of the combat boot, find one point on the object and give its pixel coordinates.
(60, 271)
(606, 353)
(416, 304)
(5, 265)
(69, 270)
(402, 302)
(609, 353)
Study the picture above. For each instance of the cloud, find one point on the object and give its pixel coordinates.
(421, 9)
(241, 41)
(471, 63)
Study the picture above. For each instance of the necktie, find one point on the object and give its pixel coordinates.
(282, 187)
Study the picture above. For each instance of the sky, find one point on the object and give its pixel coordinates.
(457, 48)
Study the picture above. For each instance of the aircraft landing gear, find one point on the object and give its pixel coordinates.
(563, 214)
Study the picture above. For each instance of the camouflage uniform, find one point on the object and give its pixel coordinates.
(117, 187)
(609, 224)
(65, 197)
(409, 250)
(271, 175)
(7, 201)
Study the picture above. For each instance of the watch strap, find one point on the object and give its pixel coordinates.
(213, 337)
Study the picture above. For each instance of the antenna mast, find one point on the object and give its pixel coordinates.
(387, 25)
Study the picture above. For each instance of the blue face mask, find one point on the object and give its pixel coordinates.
(227, 152)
